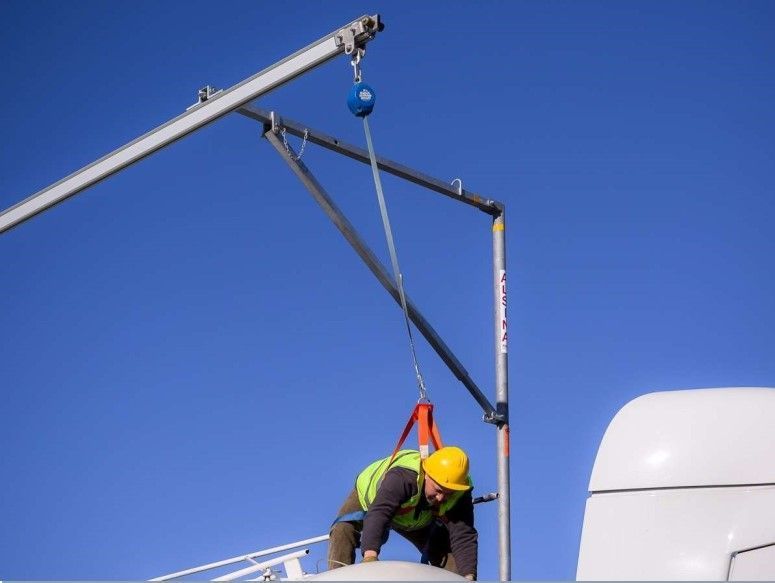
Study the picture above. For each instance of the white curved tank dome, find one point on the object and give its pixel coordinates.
(701, 437)
(387, 571)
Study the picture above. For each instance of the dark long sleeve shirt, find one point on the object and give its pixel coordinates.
(397, 487)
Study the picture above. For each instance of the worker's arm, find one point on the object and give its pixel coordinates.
(463, 538)
(398, 486)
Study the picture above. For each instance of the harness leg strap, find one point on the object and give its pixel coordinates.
(350, 517)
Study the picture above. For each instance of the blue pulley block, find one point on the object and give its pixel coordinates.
(361, 99)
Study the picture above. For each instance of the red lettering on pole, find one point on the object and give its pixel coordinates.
(502, 312)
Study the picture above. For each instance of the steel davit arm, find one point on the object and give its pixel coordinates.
(210, 108)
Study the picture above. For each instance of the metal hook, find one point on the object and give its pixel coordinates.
(459, 185)
(356, 63)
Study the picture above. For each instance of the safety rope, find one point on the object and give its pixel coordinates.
(393, 256)
(361, 102)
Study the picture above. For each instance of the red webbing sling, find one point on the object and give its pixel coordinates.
(426, 429)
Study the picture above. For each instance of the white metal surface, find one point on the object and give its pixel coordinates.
(705, 437)
(683, 483)
(681, 534)
(387, 571)
(193, 119)
(754, 565)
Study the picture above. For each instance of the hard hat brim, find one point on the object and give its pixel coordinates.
(447, 485)
(456, 487)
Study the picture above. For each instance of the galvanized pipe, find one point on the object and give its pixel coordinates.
(502, 393)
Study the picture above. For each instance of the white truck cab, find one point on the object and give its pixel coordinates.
(683, 487)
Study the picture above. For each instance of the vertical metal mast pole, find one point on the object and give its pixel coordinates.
(502, 392)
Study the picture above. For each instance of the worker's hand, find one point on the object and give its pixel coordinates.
(471, 577)
(370, 558)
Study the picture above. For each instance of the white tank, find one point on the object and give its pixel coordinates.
(683, 487)
(387, 571)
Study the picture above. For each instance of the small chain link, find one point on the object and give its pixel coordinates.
(288, 148)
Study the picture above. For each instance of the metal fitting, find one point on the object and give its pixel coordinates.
(357, 32)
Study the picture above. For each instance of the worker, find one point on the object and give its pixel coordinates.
(428, 502)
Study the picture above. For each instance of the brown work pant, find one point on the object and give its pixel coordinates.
(345, 537)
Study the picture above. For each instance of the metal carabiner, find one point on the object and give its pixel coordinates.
(356, 63)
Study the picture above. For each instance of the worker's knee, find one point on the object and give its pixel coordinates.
(343, 539)
(439, 551)
(344, 532)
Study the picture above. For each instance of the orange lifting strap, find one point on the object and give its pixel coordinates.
(426, 428)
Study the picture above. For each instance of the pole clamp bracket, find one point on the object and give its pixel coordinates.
(495, 418)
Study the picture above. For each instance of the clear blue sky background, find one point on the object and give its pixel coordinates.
(195, 365)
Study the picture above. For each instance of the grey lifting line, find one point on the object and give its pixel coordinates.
(356, 59)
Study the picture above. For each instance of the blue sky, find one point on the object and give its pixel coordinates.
(195, 365)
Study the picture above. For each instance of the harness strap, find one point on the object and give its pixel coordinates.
(422, 414)
(350, 517)
(427, 428)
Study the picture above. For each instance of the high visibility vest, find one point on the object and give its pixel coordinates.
(407, 517)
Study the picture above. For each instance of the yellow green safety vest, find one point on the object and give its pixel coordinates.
(406, 518)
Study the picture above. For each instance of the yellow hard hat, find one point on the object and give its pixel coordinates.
(448, 467)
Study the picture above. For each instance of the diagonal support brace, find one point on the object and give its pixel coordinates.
(348, 231)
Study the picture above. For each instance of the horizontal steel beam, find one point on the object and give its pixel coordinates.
(212, 108)
(491, 207)
(372, 262)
